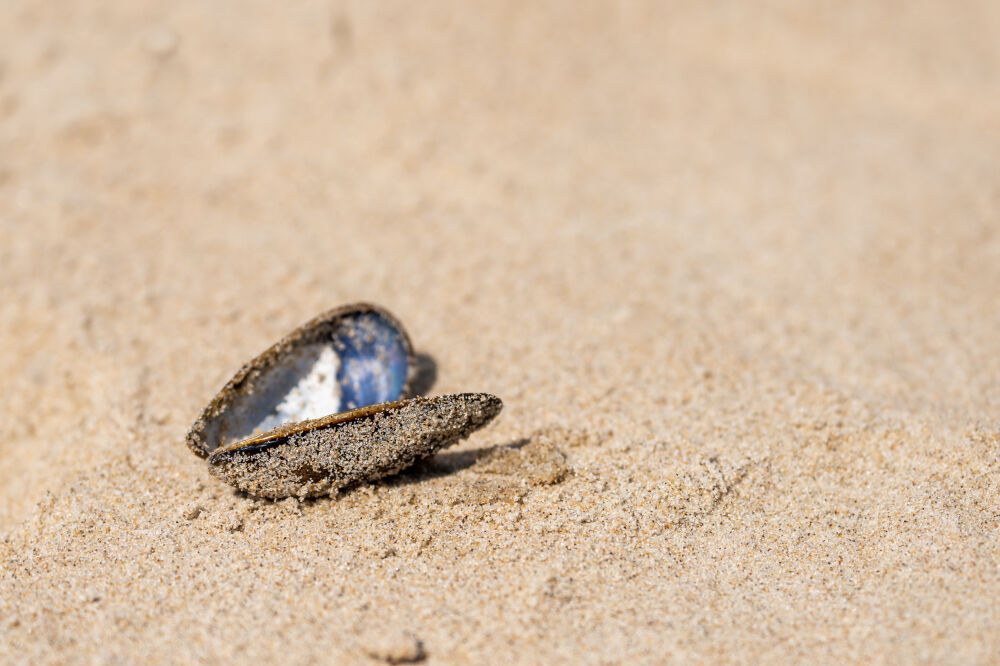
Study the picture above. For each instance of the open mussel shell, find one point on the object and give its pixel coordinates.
(324, 408)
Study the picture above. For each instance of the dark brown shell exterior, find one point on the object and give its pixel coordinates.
(364, 444)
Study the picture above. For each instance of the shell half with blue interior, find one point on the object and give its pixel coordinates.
(328, 406)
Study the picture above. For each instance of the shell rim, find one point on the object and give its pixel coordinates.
(282, 433)
(286, 430)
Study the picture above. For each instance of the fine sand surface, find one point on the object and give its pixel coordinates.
(734, 271)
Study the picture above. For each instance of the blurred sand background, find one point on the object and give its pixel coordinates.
(733, 268)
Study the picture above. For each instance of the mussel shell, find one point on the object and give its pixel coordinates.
(362, 335)
(317, 457)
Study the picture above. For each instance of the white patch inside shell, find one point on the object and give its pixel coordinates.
(314, 395)
(302, 386)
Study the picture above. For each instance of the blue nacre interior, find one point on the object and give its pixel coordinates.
(374, 362)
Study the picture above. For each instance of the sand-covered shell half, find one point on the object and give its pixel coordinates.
(325, 407)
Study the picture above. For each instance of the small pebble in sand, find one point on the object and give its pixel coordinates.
(395, 647)
(160, 41)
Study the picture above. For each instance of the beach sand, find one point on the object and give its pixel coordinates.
(732, 269)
